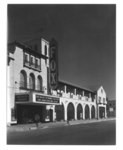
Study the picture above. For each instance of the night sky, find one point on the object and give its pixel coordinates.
(85, 35)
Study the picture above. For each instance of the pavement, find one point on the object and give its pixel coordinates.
(32, 126)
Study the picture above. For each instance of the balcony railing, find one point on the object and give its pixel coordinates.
(101, 102)
(73, 96)
(32, 65)
(37, 66)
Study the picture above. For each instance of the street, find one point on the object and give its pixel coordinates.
(98, 133)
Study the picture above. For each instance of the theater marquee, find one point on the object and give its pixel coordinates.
(22, 98)
(47, 99)
(53, 64)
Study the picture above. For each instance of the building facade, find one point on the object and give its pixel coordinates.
(111, 108)
(33, 87)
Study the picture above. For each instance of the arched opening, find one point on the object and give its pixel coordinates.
(101, 112)
(39, 83)
(86, 112)
(59, 109)
(79, 111)
(32, 81)
(23, 79)
(92, 112)
(70, 111)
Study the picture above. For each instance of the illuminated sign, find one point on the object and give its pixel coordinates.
(46, 99)
(53, 64)
(22, 98)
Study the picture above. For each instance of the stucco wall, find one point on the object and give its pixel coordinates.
(13, 76)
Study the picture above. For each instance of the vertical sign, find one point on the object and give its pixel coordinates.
(53, 64)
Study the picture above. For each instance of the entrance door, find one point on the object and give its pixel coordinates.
(101, 112)
(51, 115)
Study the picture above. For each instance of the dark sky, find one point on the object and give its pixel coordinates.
(85, 35)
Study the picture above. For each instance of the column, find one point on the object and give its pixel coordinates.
(83, 112)
(98, 116)
(65, 89)
(89, 95)
(54, 113)
(65, 112)
(83, 93)
(105, 112)
(74, 91)
(90, 112)
(75, 113)
(96, 111)
(90, 98)
(28, 82)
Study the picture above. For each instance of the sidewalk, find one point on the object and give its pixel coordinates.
(28, 127)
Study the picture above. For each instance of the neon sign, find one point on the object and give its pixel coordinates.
(53, 64)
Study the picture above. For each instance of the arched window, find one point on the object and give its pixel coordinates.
(23, 79)
(39, 83)
(32, 81)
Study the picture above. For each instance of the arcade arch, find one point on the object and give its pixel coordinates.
(70, 111)
(87, 112)
(79, 111)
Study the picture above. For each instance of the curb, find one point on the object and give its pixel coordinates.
(93, 121)
(21, 129)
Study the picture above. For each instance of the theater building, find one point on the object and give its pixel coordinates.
(33, 87)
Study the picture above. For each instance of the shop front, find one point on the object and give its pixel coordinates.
(59, 110)
(102, 112)
(26, 113)
(36, 107)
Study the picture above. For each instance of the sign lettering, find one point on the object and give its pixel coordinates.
(21, 98)
(46, 99)
(53, 64)
(53, 78)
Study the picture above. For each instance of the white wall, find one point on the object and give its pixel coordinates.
(66, 101)
(13, 75)
(101, 93)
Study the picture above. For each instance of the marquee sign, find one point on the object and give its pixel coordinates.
(22, 98)
(47, 99)
(53, 64)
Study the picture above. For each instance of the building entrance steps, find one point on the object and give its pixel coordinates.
(33, 126)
